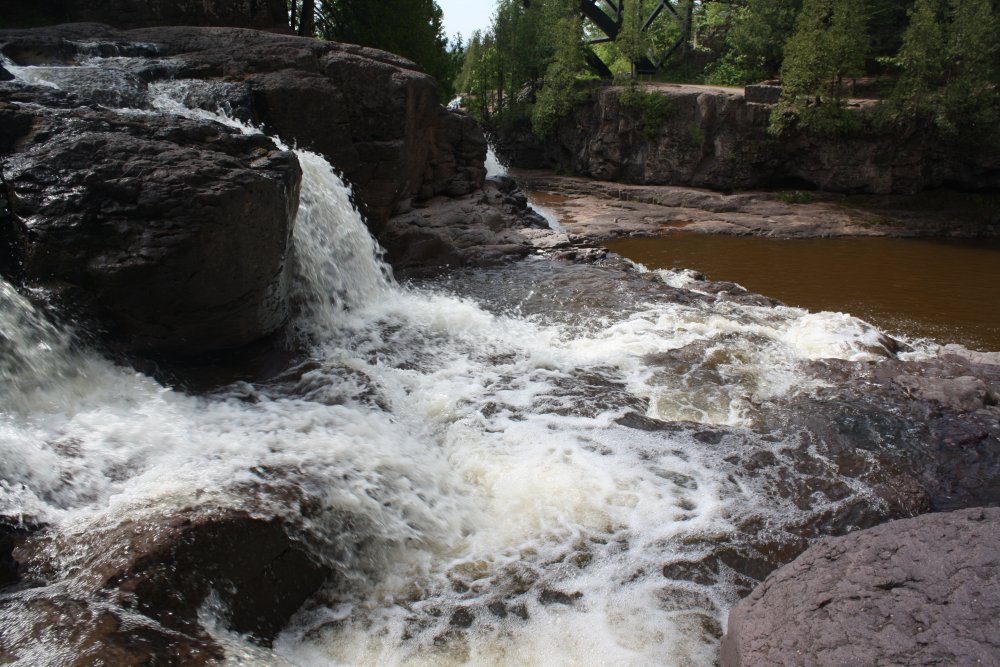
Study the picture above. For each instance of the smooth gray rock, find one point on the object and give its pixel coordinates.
(914, 592)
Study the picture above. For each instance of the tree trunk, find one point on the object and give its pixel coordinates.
(307, 22)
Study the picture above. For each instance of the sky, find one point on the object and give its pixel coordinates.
(466, 16)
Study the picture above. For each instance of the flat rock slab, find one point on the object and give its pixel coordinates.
(602, 210)
(922, 591)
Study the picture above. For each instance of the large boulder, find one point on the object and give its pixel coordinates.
(172, 233)
(922, 591)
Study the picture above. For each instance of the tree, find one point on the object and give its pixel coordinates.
(560, 94)
(828, 47)
(950, 70)
(756, 41)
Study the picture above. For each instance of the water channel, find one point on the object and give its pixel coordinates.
(946, 290)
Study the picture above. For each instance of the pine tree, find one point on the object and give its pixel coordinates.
(950, 62)
(828, 47)
(560, 94)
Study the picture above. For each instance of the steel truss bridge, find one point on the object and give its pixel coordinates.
(608, 16)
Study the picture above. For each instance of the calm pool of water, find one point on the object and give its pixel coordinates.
(944, 289)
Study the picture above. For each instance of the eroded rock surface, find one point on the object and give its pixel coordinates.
(602, 210)
(138, 13)
(937, 420)
(494, 224)
(922, 591)
(172, 234)
(714, 138)
(42, 627)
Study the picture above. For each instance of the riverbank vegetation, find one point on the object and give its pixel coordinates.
(918, 64)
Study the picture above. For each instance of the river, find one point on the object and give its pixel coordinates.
(542, 463)
(947, 290)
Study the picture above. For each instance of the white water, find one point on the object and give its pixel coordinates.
(472, 451)
(496, 168)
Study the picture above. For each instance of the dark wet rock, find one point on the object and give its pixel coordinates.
(913, 592)
(37, 624)
(372, 114)
(171, 233)
(462, 618)
(490, 226)
(935, 422)
(714, 138)
(166, 567)
(551, 596)
(12, 533)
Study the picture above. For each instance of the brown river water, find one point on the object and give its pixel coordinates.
(947, 290)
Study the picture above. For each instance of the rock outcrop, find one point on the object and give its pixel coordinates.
(922, 591)
(714, 138)
(937, 420)
(155, 574)
(373, 115)
(173, 233)
(491, 225)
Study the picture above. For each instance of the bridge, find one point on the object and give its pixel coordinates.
(608, 16)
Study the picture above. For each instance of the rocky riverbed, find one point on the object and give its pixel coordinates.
(513, 457)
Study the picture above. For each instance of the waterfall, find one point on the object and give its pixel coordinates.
(465, 434)
(496, 168)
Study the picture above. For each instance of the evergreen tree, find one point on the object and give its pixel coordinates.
(950, 75)
(756, 41)
(828, 47)
(560, 93)
(632, 42)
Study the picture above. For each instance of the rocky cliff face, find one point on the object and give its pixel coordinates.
(174, 232)
(714, 138)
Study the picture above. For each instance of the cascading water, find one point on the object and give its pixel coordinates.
(468, 440)
(496, 168)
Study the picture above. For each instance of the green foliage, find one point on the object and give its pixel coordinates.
(560, 92)
(632, 43)
(796, 197)
(527, 65)
(530, 62)
(950, 70)
(828, 47)
(654, 108)
(755, 42)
